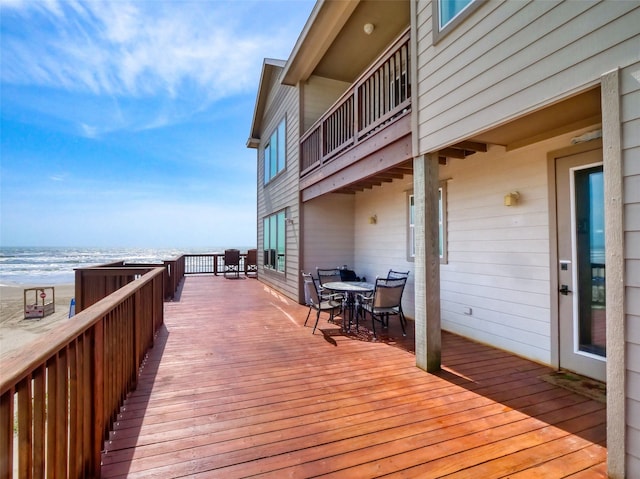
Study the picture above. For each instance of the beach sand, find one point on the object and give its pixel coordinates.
(15, 331)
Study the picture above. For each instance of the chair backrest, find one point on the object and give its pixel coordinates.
(328, 275)
(310, 290)
(397, 274)
(231, 256)
(388, 292)
(252, 257)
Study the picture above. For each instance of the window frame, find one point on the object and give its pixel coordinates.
(275, 152)
(439, 32)
(274, 224)
(442, 224)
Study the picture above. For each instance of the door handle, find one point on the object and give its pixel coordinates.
(564, 290)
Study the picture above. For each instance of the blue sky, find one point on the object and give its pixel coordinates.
(125, 123)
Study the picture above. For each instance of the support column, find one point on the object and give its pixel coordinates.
(614, 240)
(427, 263)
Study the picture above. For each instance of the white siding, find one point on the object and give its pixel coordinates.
(383, 246)
(328, 232)
(282, 191)
(509, 58)
(630, 117)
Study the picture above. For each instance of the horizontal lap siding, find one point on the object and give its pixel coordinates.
(630, 117)
(328, 232)
(498, 256)
(282, 191)
(383, 246)
(509, 58)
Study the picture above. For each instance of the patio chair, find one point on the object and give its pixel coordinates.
(392, 274)
(320, 302)
(397, 274)
(232, 262)
(329, 276)
(251, 262)
(386, 301)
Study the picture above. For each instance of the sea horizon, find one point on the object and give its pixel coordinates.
(55, 265)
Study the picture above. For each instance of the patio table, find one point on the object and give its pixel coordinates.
(350, 289)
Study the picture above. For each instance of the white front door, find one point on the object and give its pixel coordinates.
(581, 266)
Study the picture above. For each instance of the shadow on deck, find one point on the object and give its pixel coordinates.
(237, 387)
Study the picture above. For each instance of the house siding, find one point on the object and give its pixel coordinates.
(328, 232)
(510, 58)
(383, 246)
(281, 193)
(630, 119)
(498, 257)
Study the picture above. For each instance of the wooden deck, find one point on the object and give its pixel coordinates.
(236, 387)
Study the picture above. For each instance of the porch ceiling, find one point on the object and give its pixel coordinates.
(334, 45)
(579, 111)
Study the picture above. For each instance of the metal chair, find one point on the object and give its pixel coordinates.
(320, 302)
(328, 275)
(232, 262)
(386, 301)
(392, 274)
(397, 274)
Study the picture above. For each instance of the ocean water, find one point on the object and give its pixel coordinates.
(51, 266)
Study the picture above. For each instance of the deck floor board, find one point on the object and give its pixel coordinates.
(236, 386)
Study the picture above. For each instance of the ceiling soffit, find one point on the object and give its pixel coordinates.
(334, 44)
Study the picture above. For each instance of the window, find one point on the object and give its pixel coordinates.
(275, 153)
(450, 9)
(274, 241)
(442, 222)
(447, 14)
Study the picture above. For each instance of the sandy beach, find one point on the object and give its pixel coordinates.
(15, 331)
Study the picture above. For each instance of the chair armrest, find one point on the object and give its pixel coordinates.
(331, 296)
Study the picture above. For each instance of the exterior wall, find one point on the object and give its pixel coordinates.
(282, 191)
(499, 257)
(328, 232)
(319, 94)
(630, 118)
(509, 58)
(383, 246)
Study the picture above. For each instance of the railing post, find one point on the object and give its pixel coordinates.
(98, 397)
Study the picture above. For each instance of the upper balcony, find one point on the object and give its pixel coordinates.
(371, 117)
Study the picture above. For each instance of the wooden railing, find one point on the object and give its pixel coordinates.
(378, 97)
(60, 396)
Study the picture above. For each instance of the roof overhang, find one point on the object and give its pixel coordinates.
(323, 26)
(270, 68)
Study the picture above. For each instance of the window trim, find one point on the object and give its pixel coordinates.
(442, 225)
(274, 138)
(440, 32)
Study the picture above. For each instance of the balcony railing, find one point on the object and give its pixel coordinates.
(379, 96)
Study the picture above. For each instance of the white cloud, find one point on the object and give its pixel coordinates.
(139, 48)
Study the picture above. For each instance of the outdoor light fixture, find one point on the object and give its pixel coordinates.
(511, 199)
(368, 28)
